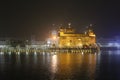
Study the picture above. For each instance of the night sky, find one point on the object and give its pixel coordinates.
(23, 18)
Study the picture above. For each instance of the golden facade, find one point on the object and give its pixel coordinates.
(69, 38)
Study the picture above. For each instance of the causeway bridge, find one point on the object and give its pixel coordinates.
(48, 50)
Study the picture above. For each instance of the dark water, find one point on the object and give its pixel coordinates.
(62, 66)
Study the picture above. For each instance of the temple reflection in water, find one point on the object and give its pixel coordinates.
(69, 64)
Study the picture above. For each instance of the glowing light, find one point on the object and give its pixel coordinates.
(114, 45)
(43, 53)
(48, 42)
(1, 53)
(2, 46)
(68, 44)
(35, 53)
(80, 45)
(92, 35)
(110, 44)
(26, 53)
(117, 45)
(95, 53)
(82, 53)
(54, 37)
(18, 53)
(9, 53)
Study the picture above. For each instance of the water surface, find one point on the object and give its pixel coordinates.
(60, 66)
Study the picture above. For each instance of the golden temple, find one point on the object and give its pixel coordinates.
(67, 37)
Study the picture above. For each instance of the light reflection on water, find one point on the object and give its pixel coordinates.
(69, 66)
(54, 63)
(60, 66)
